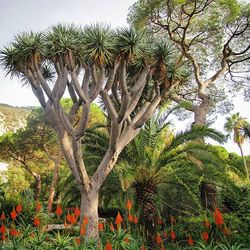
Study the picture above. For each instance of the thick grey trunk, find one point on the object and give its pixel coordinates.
(89, 208)
(208, 191)
(200, 113)
(244, 160)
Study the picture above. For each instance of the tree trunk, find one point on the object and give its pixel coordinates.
(208, 191)
(145, 193)
(38, 186)
(89, 208)
(53, 185)
(244, 160)
(200, 113)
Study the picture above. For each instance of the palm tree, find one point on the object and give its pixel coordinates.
(236, 124)
(152, 155)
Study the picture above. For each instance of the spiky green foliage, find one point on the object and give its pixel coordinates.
(99, 43)
(62, 38)
(131, 44)
(19, 55)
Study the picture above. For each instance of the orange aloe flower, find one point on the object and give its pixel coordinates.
(129, 204)
(108, 246)
(82, 230)
(78, 241)
(77, 212)
(100, 226)
(68, 217)
(172, 235)
(19, 208)
(38, 206)
(143, 247)
(190, 241)
(135, 220)
(85, 220)
(13, 214)
(118, 219)
(130, 218)
(2, 229)
(158, 239)
(126, 240)
(205, 236)
(218, 217)
(14, 232)
(36, 221)
(2, 216)
(58, 211)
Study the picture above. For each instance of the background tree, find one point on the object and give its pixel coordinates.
(207, 34)
(235, 124)
(131, 76)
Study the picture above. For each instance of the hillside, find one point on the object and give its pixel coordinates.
(12, 118)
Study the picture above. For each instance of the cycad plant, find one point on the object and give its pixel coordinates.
(153, 155)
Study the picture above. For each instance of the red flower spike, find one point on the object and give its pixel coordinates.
(205, 236)
(143, 247)
(38, 206)
(130, 218)
(85, 220)
(68, 217)
(172, 235)
(13, 214)
(118, 219)
(19, 208)
(100, 226)
(108, 246)
(158, 239)
(126, 240)
(129, 204)
(2, 229)
(58, 210)
(14, 232)
(82, 230)
(218, 217)
(78, 241)
(36, 222)
(73, 219)
(135, 220)
(2, 216)
(77, 212)
(190, 241)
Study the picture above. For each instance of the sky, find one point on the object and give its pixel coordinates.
(25, 15)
